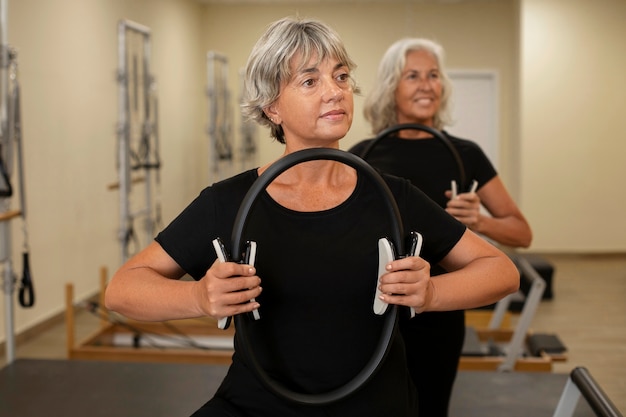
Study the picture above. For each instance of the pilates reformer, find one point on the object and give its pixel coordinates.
(137, 135)
(495, 348)
(196, 341)
(582, 384)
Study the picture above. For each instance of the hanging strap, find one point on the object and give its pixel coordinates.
(27, 290)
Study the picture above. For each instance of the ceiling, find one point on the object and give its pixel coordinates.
(325, 1)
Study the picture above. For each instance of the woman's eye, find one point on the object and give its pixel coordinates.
(308, 83)
(343, 77)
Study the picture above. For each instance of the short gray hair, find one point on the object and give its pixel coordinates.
(380, 106)
(268, 65)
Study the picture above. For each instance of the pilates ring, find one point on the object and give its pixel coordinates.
(391, 316)
(415, 126)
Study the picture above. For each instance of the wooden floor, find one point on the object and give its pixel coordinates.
(588, 313)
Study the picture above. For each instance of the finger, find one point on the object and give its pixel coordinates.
(395, 288)
(414, 263)
(233, 303)
(237, 284)
(404, 300)
(470, 199)
(232, 269)
(240, 300)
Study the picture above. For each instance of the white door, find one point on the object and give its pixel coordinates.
(475, 109)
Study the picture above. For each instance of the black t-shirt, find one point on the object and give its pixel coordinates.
(319, 273)
(428, 163)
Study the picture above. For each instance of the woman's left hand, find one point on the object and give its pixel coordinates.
(407, 282)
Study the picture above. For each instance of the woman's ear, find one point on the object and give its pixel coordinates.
(272, 114)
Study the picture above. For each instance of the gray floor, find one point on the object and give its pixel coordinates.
(34, 387)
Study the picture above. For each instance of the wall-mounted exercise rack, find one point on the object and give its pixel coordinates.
(248, 149)
(225, 154)
(11, 153)
(138, 159)
(220, 118)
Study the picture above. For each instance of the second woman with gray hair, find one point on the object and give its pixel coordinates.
(412, 87)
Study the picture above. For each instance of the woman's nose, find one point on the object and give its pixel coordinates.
(424, 84)
(332, 91)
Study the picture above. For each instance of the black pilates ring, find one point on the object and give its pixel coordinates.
(415, 126)
(391, 316)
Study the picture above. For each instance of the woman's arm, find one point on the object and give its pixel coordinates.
(480, 274)
(505, 224)
(147, 287)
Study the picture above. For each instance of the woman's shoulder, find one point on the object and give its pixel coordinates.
(460, 140)
(241, 181)
(229, 191)
(463, 143)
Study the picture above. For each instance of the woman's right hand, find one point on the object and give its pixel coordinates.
(226, 289)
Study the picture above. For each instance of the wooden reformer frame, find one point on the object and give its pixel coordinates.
(100, 344)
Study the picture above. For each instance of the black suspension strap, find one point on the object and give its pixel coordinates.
(243, 321)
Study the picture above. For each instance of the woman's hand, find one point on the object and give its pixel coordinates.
(226, 289)
(465, 208)
(407, 282)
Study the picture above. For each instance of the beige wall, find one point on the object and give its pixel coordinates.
(573, 154)
(561, 101)
(479, 34)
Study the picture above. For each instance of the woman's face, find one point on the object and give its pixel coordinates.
(315, 106)
(418, 94)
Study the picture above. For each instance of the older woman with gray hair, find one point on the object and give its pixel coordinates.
(412, 87)
(316, 226)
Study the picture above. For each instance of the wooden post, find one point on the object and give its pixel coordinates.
(104, 313)
(69, 319)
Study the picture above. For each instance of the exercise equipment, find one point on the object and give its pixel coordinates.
(581, 384)
(118, 339)
(11, 153)
(137, 135)
(220, 128)
(504, 350)
(248, 149)
(243, 322)
(225, 151)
